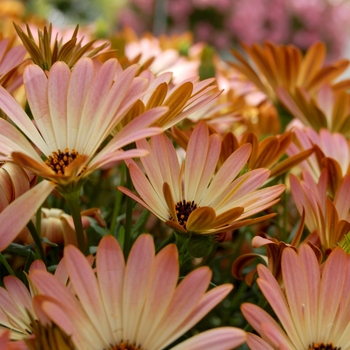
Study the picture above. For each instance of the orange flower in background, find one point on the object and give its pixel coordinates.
(313, 310)
(138, 304)
(192, 198)
(181, 100)
(277, 66)
(328, 108)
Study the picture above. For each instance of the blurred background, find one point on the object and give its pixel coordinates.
(221, 23)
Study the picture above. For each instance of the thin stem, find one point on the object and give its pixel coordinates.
(38, 221)
(37, 240)
(128, 219)
(6, 264)
(117, 202)
(72, 200)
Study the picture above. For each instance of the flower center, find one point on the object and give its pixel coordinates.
(322, 346)
(125, 346)
(59, 160)
(183, 211)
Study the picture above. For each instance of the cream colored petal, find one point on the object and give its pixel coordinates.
(196, 156)
(164, 281)
(87, 290)
(36, 90)
(57, 98)
(15, 112)
(296, 288)
(137, 281)
(11, 140)
(94, 101)
(110, 273)
(78, 89)
(228, 171)
(208, 301)
(184, 300)
(275, 297)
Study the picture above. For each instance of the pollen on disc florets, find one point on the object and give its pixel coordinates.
(126, 346)
(60, 159)
(322, 346)
(183, 210)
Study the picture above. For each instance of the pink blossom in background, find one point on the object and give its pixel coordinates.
(225, 23)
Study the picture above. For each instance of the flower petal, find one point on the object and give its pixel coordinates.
(15, 216)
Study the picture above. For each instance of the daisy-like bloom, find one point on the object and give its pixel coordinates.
(328, 219)
(46, 53)
(74, 112)
(134, 305)
(284, 66)
(328, 108)
(181, 99)
(18, 313)
(192, 198)
(313, 310)
(332, 151)
(266, 153)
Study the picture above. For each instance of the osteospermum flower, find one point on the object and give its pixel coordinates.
(18, 316)
(74, 112)
(134, 305)
(314, 310)
(192, 198)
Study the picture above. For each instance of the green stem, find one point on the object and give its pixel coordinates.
(37, 240)
(6, 264)
(72, 200)
(128, 218)
(117, 202)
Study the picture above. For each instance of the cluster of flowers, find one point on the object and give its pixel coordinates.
(126, 136)
(223, 23)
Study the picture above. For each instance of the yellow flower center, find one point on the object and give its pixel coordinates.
(59, 160)
(125, 346)
(183, 210)
(322, 346)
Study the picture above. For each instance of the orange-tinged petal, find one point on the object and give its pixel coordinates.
(15, 216)
(110, 267)
(78, 89)
(222, 338)
(200, 219)
(140, 263)
(15, 112)
(87, 290)
(162, 287)
(58, 82)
